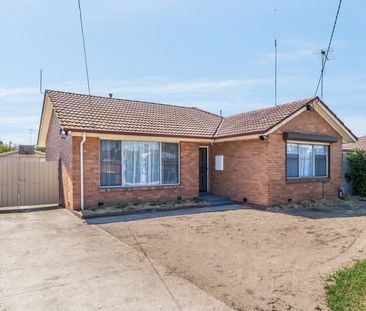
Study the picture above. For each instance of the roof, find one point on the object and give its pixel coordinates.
(84, 112)
(361, 144)
(26, 149)
(87, 113)
(259, 121)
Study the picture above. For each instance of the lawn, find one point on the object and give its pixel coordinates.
(347, 288)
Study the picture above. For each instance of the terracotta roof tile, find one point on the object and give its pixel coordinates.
(77, 111)
(361, 144)
(259, 121)
(104, 114)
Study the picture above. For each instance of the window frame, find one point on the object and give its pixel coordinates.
(327, 145)
(100, 164)
(160, 163)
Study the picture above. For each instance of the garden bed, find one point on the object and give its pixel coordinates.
(351, 204)
(125, 208)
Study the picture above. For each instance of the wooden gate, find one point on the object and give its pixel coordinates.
(28, 183)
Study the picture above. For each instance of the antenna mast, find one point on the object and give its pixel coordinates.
(41, 82)
(275, 47)
(325, 55)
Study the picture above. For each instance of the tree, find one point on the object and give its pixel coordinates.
(6, 147)
(357, 170)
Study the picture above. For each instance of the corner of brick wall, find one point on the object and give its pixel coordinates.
(60, 149)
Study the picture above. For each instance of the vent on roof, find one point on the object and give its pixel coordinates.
(110, 95)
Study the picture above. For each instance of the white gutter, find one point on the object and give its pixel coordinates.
(82, 171)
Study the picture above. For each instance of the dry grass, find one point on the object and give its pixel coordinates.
(326, 206)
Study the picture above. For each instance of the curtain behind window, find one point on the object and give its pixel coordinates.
(110, 163)
(169, 162)
(141, 163)
(321, 153)
(306, 160)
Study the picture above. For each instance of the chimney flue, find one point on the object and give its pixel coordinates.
(110, 95)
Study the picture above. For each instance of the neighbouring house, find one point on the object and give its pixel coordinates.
(115, 150)
(24, 153)
(360, 144)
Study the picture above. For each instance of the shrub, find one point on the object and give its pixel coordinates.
(357, 171)
(6, 147)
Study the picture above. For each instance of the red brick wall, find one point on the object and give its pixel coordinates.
(94, 194)
(256, 169)
(56, 149)
(281, 190)
(244, 174)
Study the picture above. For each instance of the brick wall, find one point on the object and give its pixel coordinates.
(256, 169)
(244, 175)
(58, 148)
(281, 190)
(94, 194)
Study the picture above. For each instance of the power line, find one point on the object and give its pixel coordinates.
(83, 36)
(327, 51)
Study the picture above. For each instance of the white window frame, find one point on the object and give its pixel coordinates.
(146, 185)
(313, 154)
(219, 162)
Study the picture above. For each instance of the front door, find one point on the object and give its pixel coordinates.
(203, 170)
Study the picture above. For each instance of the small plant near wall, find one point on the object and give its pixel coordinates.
(357, 171)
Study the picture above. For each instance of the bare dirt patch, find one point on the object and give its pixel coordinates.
(251, 260)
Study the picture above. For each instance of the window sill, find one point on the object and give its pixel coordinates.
(136, 188)
(307, 180)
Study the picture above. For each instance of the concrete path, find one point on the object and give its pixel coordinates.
(160, 214)
(51, 260)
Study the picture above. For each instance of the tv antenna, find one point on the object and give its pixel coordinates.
(324, 56)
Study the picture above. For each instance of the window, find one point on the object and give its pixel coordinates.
(307, 160)
(219, 162)
(138, 163)
(141, 163)
(110, 163)
(169, 163)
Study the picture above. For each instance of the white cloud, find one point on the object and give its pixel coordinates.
(6, 92)
(159, 86)
(24, 121)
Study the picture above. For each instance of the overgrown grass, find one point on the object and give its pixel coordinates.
(346, 288)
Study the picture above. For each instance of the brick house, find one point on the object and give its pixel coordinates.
(113, 150)
(360, 144)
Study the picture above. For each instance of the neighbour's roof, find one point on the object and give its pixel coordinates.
(361, 144)
(259, 121)
(78, 112)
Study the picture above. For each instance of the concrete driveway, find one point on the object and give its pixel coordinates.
(50, 260)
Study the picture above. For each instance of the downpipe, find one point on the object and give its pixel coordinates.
(82, 171)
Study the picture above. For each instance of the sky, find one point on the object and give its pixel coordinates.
(212, 54)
